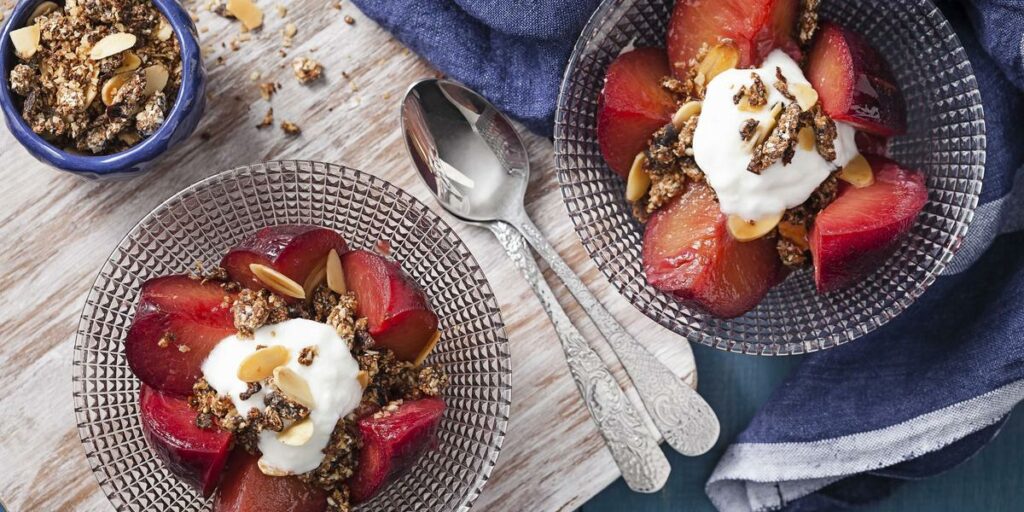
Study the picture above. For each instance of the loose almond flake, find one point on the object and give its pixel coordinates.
(111, 86)
(638, 181)
(293, 386)
(805, 95)
(26, 41)
(805, 138)
(112, 45)
(156, 79)
(316, 276)
(42, 10)
(335, 273)
(796, 233)
(746, 230)
(247, 12)
(277, 282)
(261, 364)
(858, 172)
(722, 57)
(298, 434)
(685, 112)
(765, 129)
(363, 378)
(131, 63)
(90, 94)
(428, 348)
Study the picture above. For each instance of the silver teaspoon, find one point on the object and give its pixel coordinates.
(472, 159)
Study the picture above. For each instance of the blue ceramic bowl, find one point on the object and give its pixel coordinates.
(181, 120)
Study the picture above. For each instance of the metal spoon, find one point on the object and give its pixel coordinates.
(472, 159)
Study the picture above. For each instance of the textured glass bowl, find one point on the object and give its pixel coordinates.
(201, 223)
(946, 140)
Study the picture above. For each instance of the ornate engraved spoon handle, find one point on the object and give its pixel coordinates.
(640, 459)
(683, 417)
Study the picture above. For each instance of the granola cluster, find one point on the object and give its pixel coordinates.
(78, 96)
(388, 382)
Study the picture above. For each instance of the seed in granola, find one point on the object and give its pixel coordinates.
(290, 128)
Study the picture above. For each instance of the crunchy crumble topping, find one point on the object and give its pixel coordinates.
(756, 93)
(780, 143)
(807, 21)
(748, 129)
(307, 355)
(306, 70)
(782, 85)
(252, 310)
(100, 106)
(824, 133)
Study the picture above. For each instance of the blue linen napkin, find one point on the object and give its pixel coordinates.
(908, 401)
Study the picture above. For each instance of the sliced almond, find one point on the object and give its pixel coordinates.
(765, 129)
(720, 58)
(747, 230)
(685, 112)
(90, 94)
(293, 386)
(261, 364)
(805, 138)
(428, 348)
(156, 79)
(363, 378)
(315, 277)
(638, 181)
(111, 86)
(805, 95)
(164, 30)
(796, 233)
(112, 45)
(277, 282)
(26, 41)
(858, 172)
(247, 12)
(335, 273)
(131, 63)
(42, 10)
(297, 434)
(269, 470)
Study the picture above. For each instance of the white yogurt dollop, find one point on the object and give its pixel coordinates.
(331, 378)
(722, 154)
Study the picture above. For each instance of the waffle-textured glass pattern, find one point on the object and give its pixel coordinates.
(208, 218)
(946, 140)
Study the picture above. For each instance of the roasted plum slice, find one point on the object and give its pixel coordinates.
(294, 250)
(854, 82)
(755, 27)
(689, 253)
(193, 454)
(858, 231)
(246, 489)
(392, 442)
(632, 106)
(396, 310)
(177, 323)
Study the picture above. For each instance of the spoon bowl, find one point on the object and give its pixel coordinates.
(467, 152)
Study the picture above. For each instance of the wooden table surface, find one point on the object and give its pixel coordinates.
(59, 229)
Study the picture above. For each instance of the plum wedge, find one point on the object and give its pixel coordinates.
(246, 489)
(860, 229)
(396, 310)
(689, 253)
(391, 444)
(178, 321)
(755, 27)
(193, 454)
(632, 106)
(294, 250)
(854, 82)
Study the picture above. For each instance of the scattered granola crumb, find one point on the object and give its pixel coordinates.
(780, 143)
(782, 85)
(165, 340)
(748, 129)
(183, 348)
(807, 21)
(268, 119)
(306, 70)
(254, 76)
(824, 133)
(267, 90)
(290, 128)
(307, 354)
(251, 389)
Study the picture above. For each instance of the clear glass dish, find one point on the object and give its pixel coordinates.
(946, 140)
(201, 223)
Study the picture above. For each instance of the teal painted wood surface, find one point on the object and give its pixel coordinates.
(736, 385)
